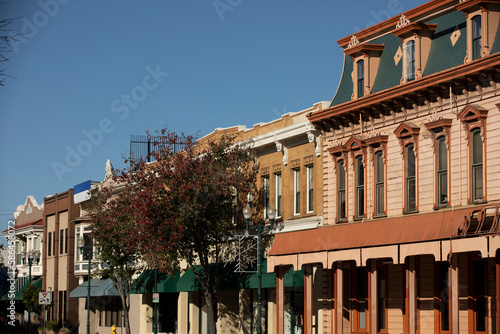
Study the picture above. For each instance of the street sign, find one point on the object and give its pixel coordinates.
(44, 298)
(156, 297)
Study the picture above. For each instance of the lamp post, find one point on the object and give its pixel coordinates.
(247, 214)
(81, 245)
(32, 255)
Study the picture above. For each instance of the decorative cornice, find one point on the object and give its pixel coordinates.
(354, 41)
(414, 28)
(364, 48)
(386, 26)
(467, 5)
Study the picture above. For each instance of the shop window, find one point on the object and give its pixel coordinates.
(442, 295)
(381, 300)
(360, 300)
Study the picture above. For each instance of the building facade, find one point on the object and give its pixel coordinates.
(58, 257)
(411, 181)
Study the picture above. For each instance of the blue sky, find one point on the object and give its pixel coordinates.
(91, 73)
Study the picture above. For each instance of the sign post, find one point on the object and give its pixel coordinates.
(44, 298)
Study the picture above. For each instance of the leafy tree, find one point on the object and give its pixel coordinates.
(4, 276)
(113, 229)
(184, 205)
(30, 298)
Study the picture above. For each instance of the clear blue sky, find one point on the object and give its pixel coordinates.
(110, 69)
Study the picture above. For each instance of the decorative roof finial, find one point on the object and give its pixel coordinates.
(403, 21)
(354, 41)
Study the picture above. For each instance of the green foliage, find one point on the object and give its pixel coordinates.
(51, 325)
(30, 298)
(65, 330)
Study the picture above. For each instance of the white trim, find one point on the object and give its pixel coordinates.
(309, 172)
(296, 186)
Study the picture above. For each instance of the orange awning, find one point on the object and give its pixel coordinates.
(405, 229)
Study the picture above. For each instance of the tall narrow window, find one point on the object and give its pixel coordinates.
(265, 180)
(410, 60)
(443, 297)
(442, 171)
(61, 241)
(278, 195)
(381, 299)
(479, 296)
(66, 242)
(361, 299)
(361, 78)
(477, 165)
(379, 184)
(410, 178)
(341, 198)
(296, 192)
(476, 37)
(49, 245)
(54, 243)
(360, 187)
(310, 189)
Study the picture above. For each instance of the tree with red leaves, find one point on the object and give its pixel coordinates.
(185, 205)
(112, 218)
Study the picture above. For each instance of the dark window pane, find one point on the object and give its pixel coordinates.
(379, 166)
(360, 171)
(442, 154)
(361, 78)
(410, 161)
(476, 37)
(443, 188)
(411, 194)
(477, 147)
(380, 199)
(341, 175)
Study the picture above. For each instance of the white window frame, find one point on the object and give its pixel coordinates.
(278, 200)
(296, 192)
(310, 187)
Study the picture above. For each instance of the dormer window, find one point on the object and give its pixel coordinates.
(476, 37)
(409, 63)
(482, 22)
(416, 40)
(361, 77)
(366, 58)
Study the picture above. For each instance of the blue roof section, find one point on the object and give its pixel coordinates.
(388, 74)
(345, 89)
(496, 44)
(443, 54)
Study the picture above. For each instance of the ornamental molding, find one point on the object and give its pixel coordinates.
(354, 41)
(403, 21)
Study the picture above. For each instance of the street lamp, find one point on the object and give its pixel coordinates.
(32, 255)
(247, 214)
(81, 245)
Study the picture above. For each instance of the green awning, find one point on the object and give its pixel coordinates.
(19, 294)
(145, 283)
(98, 288)
(230, 280)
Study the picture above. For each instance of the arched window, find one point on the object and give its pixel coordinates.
(476, 37)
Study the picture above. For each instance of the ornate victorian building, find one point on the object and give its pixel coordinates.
(411, 179)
